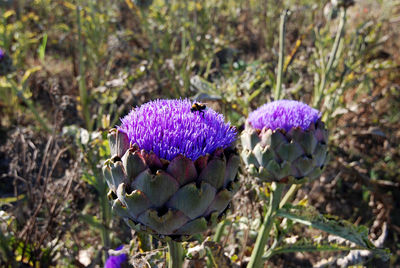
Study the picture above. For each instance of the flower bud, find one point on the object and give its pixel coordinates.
(285, 141)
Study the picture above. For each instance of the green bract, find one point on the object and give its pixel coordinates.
(176, 198)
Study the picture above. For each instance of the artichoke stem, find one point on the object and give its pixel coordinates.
(290, 194)
(263, 233)
(175, 250)
(220, 230)
(145, 241)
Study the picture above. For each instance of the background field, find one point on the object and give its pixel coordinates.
(78, 66)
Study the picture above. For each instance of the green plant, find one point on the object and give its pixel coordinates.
(286, 142)
(326, 68)
(96, 148)
(172, 181)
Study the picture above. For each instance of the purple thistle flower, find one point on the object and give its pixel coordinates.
(169, 128)
(283, 114)
(1, 54)
(116, 261)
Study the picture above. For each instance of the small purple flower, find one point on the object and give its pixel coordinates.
(116, 261)
(169, 128)
(283, 114)
(1, 54)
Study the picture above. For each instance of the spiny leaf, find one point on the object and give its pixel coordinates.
(309, 216)
(305, 245)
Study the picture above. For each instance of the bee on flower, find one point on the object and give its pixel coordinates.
(172, 173)
(198, 107)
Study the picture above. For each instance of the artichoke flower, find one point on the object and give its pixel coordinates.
(173, 169)
(6, 64)
(285, 141)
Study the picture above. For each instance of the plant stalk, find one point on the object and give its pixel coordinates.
(332, 58)
(145, 241)
(104, 207)
(220, 230)
(282, 30)
(83, 94)
(175, 250)
(263, 233)
(105, 216)
(210, 259)
(289, 195)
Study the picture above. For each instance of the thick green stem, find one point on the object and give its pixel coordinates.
(220, 230)
(210, 259)
(105, 236)
(145, 241)
(289, 195)
(282, 30)
(175, 254)
(332, 58)
(263, 233)
(104, 206)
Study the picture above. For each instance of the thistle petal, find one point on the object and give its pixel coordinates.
(163, 224)
(214, 172)
(158, 188)
(135, 202)
(231, 169)
(119, 142)
(193, 201)
(133, 163)
(182, 169)
(196, 226)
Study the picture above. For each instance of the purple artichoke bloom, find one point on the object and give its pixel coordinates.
(283, 114)
(285, 141)
(116, 261)
(1, 54)
(172, 171)
(169, 128)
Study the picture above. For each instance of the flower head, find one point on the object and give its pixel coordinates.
(285, 141)
(1, 54)
(169, 128)
(283, 114)
(116, 261)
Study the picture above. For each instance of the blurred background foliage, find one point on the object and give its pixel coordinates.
(79, 65)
